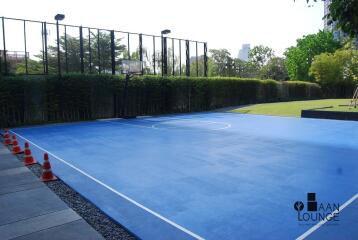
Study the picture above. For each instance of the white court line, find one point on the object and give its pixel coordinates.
(115, 191)
(120, 123)
(227, 125)
(154, 126)
(318, 225)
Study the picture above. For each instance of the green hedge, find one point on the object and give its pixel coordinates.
(339, 89)
(41, 99)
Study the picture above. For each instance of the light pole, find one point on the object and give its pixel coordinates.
(58, 17)
(164, 51)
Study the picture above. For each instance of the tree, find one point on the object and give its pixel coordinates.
(223, 63)
(260, 55)
(341, 66)
(99, 59)
(344, 13)
(275, 69)
(245, 69)
(33, 67)
(299, 58)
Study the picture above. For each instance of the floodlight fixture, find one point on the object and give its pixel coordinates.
(59, 17)
(166, 31)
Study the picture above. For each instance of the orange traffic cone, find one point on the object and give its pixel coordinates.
(46, 170)
(15, 146)
(28, 159)
(7, 138)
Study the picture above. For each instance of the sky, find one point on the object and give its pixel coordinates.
(222, 24)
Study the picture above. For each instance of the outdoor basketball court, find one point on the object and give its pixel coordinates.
(210, 175)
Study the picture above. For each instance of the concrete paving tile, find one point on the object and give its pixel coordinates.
(78, 230)
(17, 179)
(8, 161)
(35, 224)
(29, 203)
(13, 171)
(21, 187)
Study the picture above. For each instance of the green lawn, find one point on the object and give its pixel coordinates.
(294, 108)
(342, 109)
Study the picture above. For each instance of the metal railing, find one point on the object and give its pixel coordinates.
(94, 50)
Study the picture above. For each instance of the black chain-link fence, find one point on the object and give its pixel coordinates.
(34, 47)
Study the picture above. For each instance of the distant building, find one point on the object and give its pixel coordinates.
(330, 25)
(244, 52)
(327, 26)
(14, 56)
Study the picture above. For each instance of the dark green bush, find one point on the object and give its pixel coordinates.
(75, 97)
(339, 89)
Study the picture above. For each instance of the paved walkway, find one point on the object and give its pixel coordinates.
(30, 210)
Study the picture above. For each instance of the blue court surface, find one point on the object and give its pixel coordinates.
(210, 175)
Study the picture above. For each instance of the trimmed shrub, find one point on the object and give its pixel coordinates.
(76, 97)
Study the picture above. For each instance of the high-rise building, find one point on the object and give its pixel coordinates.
(327, 26)
(244, 52)
(330, 25)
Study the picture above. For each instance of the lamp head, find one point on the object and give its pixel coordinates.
(166, 31)
(59, 17)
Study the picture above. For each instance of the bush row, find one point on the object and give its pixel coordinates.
(74, 97)
(342, 89)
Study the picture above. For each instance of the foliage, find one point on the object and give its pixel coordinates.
(200, 63)
(336, 67)
(222, 62)
(344, 13)
(244, 69)
(74, 97)
(32, 67)
(275, 69)
(92, 59)
(300, 57)
(260, 55)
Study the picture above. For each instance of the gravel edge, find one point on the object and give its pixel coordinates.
(102, 223)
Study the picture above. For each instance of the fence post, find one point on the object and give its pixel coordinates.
(179, 57)
(113, 54)
(129, 51)
(162, 55)
(46, 53)
(26, 63)
(66, 54)
(99, 52)
(187, 63)
(43, 48)
(154, 55)
(89, 50)
(141, 51)
(173, 55)
(165, 56)
(197, 59)
(81, 51)
(205, 59)
(3, 35)
(58, 48)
